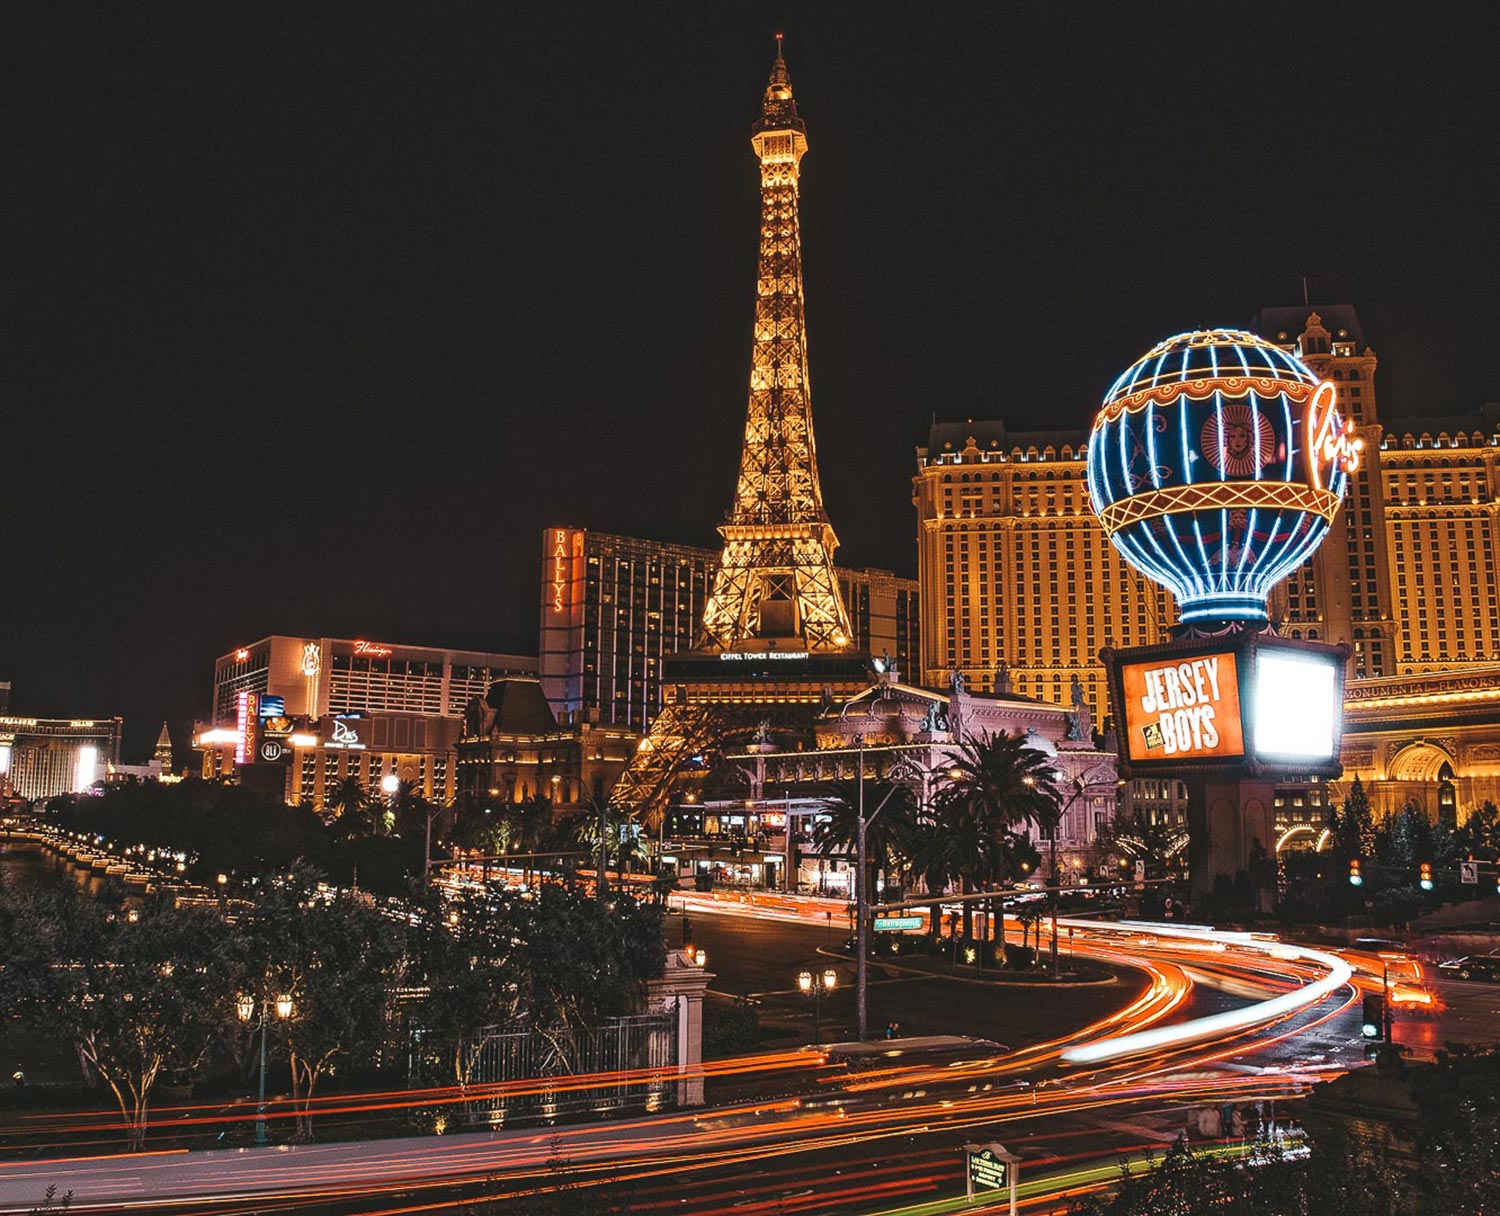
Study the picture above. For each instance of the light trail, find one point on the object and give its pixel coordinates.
(1231, 1020)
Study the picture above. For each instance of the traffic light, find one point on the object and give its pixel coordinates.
(1356, 877)
(1426, 876)
(1372, 1021)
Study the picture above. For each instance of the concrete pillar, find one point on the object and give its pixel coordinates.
(680, 992)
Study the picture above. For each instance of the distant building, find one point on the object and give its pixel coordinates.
(316, 677)
(892, 731)
(43, 757)
(614, 607)
(1408, 574)
(158, 768)
(299, 716)
(513, 748)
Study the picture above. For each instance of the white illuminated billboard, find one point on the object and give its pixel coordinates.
(1296, 706)
(88, 767)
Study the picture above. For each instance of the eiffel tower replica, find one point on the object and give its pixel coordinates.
(776, 646)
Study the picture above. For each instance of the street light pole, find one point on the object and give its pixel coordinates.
(245, 1007)
(260, 1109)
(862, 896)
(861, 902)
(1079, 785)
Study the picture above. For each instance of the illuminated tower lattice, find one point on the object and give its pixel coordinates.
(775, 577)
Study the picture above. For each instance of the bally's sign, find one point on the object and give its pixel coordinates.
(1188, 709)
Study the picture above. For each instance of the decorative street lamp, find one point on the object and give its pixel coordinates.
(246, 1006)
(815, 986)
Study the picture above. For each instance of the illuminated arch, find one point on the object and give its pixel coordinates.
(1421, 761)
(1294, 830)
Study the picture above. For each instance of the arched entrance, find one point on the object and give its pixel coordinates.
(1421, 761)
(1423, 770)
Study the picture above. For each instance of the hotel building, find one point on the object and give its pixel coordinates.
(1018, 581)
(614, 607)
(1015, 570)
(298, 716)
(43, 757)
(513, 748)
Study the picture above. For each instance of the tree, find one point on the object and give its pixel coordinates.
(1479, 837)
(1408, 841)
(467, 958)
(1354, 827)
(351, 804)
(138, 994)
(995, 785)
(1134, 837)
(338, 958)
(230, 828)
(580, 960)
(889, 836)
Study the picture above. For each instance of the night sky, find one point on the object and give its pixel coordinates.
(315, 316)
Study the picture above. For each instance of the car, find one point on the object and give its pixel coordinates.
(1473, 967)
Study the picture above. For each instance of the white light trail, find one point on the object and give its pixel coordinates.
(1339, 974)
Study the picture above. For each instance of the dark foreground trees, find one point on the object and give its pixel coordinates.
(151, 991)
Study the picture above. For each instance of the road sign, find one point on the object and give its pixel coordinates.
(989, 1167)
(1468, 872)
(894, 924)
(988, 1172)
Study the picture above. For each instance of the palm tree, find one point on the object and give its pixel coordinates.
(937, 859)
(993, 786)
(532, 830)
(890, 837)
(351, 803)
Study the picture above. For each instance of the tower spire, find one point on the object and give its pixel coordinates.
(776, 578)
(163, 752)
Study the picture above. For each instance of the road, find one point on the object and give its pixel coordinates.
(759, 958)
(871, 1137)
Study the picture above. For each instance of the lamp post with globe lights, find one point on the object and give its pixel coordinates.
(816, 985)
(246, 1006)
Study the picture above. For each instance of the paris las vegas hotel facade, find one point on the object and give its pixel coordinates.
(1017, 575)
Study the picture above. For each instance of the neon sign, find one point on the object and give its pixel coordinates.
(344, 736)
(373, 649)
(1331, 440)
(241, 725)
(1216, 465)
(559, 569)
(241, 654)
(312, 659)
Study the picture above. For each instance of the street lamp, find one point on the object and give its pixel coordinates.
(816, 986)
(245, 1007)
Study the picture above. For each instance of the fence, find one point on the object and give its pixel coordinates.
(643, 1048)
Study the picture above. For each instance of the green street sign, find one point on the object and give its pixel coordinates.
(988, 1172)
(989, 1167)
(894, 924)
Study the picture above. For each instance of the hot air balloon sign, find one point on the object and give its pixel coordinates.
(1216, 464)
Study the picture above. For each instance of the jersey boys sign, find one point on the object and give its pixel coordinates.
(1188, 709)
